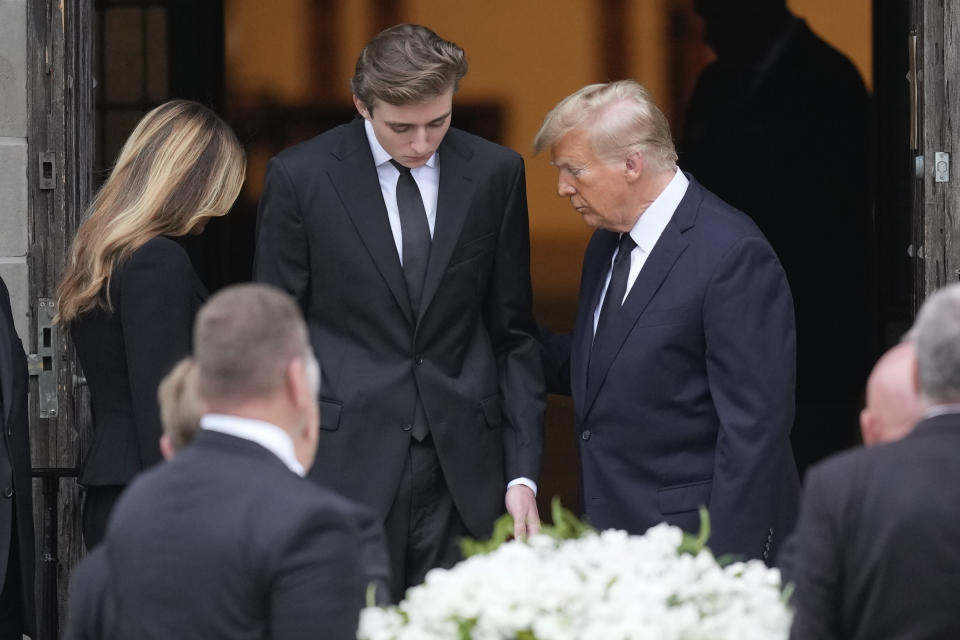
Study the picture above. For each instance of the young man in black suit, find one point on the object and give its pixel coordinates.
(227, 539)
(16, 502)
(878, 538)
(406, 243)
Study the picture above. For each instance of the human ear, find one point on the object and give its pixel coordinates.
(361, 108)
(633, 166)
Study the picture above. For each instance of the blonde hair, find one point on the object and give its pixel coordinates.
(181, 166)
(180, 409)
(620, 118)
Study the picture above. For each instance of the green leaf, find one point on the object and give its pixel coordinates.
(694, 544)
(787, 593)
(526, 634)
(372, 594)
(502, 531)
(566, 525)
(465, 628)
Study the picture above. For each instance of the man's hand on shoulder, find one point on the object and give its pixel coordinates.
(522, 505)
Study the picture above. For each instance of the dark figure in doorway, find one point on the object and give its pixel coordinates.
(778, 127)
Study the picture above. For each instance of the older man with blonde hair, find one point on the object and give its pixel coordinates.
(681, 360)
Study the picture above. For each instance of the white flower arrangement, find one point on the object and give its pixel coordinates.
(663, 585)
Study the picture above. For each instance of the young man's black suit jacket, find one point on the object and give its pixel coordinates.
(878, 540)
(324, 236)
(16, 498)
(224, 541)
(690, 401)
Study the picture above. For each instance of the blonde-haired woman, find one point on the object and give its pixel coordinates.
(130, 292)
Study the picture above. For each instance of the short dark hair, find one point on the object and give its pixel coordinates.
(243, 339)
(405, 64)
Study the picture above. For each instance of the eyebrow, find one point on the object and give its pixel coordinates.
(410, 124)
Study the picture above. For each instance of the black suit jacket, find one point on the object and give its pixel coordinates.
(878, 540)
(124, 355)
(324, 236)
(224, 541)
(16, 498)
(691, 398)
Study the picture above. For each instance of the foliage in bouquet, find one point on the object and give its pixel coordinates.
(573, 583)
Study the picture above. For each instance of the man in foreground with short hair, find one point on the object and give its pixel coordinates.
(227, 539)
(681, 360)
(878, 536)
(406, 244)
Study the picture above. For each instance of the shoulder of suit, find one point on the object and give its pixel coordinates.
(157, 260)
(316, 148)
(724, 223)
(480, 146)
(160, 249)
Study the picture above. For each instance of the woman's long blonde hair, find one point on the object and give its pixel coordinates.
(181, 166)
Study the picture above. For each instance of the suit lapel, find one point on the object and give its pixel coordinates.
(590, 292)
(355, 179)
(661, 260)
(453, 204)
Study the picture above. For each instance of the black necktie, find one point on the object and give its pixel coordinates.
(416, 252)
(415, 232)
(617, 287)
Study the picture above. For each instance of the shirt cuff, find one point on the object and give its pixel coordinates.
(527, 482)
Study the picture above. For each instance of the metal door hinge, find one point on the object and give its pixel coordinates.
(43, 364)
(941, 166)
(48, 170)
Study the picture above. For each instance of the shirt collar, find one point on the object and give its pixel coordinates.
(940, 409)
(269, 436)
(380, 155)
(651, 223)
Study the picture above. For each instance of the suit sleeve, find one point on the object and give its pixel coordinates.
(555, 356)
(87, 605)
(819, 559)
(748, 322)
(318, 588)
(282, 257)
(513, 332)
(158, 300)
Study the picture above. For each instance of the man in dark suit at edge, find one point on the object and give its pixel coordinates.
(16, 501)
(227, 539)
(878, 537)
(681, 361)
(406, 243)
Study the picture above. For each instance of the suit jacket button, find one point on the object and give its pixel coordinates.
(419, 360)
(8, 492)
(585, 435)
(406, 426)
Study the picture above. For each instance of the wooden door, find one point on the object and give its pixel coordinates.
(934, 117)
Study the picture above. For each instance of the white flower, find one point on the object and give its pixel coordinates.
(602, 586)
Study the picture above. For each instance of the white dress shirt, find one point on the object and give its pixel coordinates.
(940, 410)
(427, 178)
(645, 232)
(269, 436)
